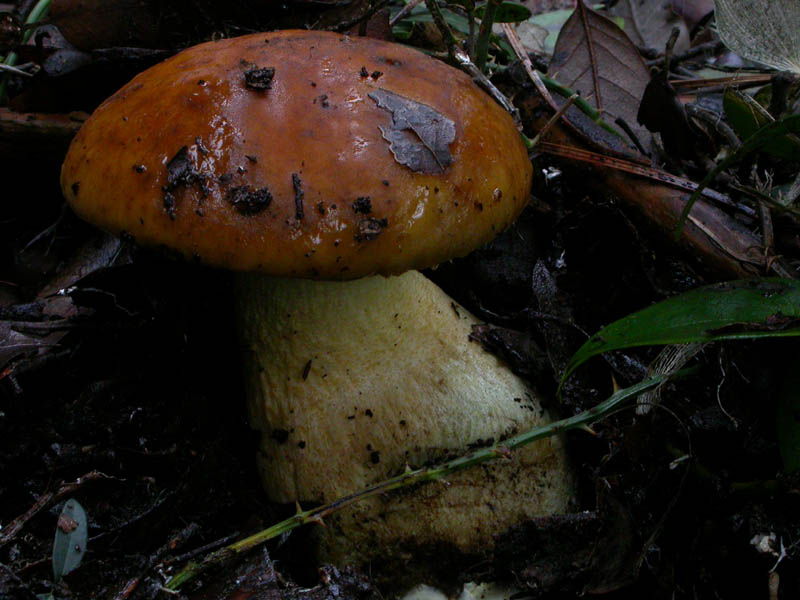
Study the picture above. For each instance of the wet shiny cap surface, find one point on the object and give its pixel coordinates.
(301, 153)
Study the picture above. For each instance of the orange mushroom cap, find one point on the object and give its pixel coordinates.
(301, 153)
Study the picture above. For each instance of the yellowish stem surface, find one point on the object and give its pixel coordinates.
(349, 382)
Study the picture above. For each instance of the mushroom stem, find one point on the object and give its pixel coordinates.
(350, 382)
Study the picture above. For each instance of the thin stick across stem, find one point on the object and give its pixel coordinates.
(410, 478)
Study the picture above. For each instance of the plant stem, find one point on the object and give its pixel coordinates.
(470, 8)
(552, 121)
(37, 12)
(449, 38)
(586, 108)
(485, 32)
(410, 478)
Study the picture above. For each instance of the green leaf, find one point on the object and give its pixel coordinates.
(404, 28)
(507, 12)
(69, 545)
(747, 116)
(420, 14)
(733, 310)
(788, 418)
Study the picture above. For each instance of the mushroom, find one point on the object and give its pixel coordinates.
(327, 169)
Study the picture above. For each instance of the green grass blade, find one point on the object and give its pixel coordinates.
(747, 116)
(733, 310)
(417, 477)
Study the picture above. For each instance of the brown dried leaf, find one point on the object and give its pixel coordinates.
(692, 11)
(419, 136)
(32, 330)
(36, 134)
(89, 24)
(14, 344)
(594, 57)
(649, 23)
(100, 251)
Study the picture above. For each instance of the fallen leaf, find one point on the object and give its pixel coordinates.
(419, 136)
(766, 32)
(595, 58)
(692, 11)
(69, 546)
(532, 36)
(649, 23)
(14, 344)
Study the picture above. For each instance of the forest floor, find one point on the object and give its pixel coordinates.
(120, 378)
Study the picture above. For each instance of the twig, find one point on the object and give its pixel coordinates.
(581, 103)
(410, 478)
(522, 55)
(767, 230)
(710, 47)
(623, 124)
(736, 81)
(404, 12)
(552, 121)
(14, 70)
(761, 137)
(794, 190)
(576, 153)
(717, 239)
(45, 501)
(197, 551)
(670, 45)
(463, 61)
(714, 120)
(450, 40)
(175, 542)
